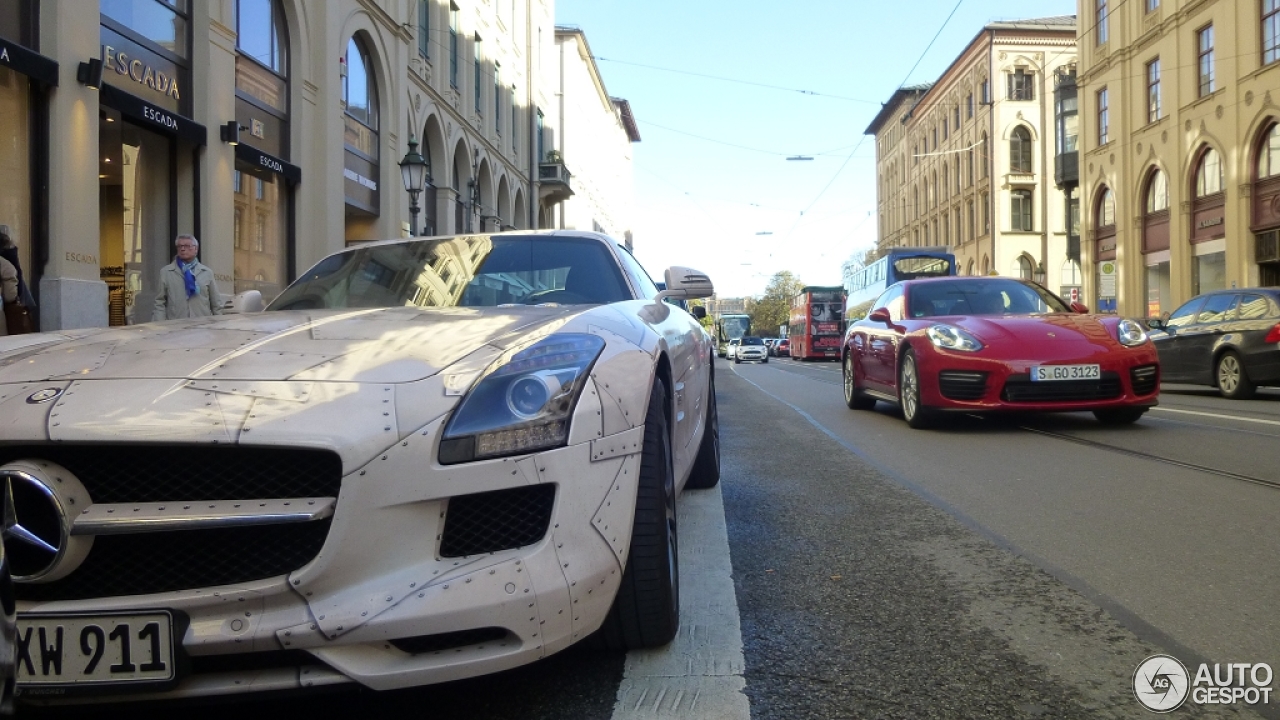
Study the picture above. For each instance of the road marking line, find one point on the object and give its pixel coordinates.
(699, 676)
(1216, 415)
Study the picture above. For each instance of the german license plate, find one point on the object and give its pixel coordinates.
(72, 649)
(1041, 373)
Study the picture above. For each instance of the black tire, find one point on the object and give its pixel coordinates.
(1120, 416)
(765, 361)
(1233, 381)
(916, 415)
(706, 467)
(646, 611)
(853, 397)
(737, 360)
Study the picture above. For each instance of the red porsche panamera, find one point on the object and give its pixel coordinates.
(981, 344)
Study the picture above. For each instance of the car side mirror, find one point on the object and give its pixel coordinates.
(880, 315)
(249, 301)
(1079, 307)
(1155, 323)
(699, 312)
(685, 284)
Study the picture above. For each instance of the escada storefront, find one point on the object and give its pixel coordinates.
(148, 150)
(26, 78)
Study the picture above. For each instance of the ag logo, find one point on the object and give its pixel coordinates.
(1161, 683)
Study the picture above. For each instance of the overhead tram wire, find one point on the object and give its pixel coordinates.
(864, 137)
(721, 78)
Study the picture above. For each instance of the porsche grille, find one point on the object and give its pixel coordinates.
(1020, 388)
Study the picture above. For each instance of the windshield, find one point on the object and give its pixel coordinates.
(994, 296)
(474, 271)
(752, 341)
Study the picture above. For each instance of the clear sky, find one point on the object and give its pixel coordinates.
(724, 91)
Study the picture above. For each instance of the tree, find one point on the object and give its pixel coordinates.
(773, 309)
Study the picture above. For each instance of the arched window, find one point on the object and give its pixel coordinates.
(360, 100)
(1269, 154)
(1106, 209)
(1209, 174)
(1024, 267)
(262, 108)
(360, 131)
(1020, 150)
(1157, 192)
(984, 159)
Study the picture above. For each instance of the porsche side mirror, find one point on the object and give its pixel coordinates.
(699, 312)
(685, 284)
(880, 315)
(1079, 307)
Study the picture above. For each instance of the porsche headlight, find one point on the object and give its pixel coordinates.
(950, 337)
(1130, 333)
(524, 403)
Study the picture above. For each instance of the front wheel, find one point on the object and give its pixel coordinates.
(646, 611)
(853, 397)
(916, 415)
(1233, 381)
(1119, 416)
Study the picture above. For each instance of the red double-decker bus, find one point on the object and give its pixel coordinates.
(817, 323)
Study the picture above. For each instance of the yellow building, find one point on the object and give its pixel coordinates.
(969, 161)
(1180, 149)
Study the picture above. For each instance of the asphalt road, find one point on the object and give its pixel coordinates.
(1010, 568)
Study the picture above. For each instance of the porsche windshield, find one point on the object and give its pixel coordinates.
(472, 271)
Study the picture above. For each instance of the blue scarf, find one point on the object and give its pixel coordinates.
(188, 277)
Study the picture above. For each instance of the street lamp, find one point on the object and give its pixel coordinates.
(1038, 274)
(417, 173)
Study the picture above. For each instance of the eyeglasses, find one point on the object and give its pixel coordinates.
(185, 245)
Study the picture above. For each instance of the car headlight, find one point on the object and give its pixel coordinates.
(951, 337)
(524, 404)
(1131, 333)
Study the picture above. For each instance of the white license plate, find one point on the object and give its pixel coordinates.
(1041, 373)
(73, 649)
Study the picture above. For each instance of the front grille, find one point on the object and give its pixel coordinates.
(497, 520)
(184, 560)
(187, 559)
(448, 641)
(962, 384)
(1020, 388)
(172, 473)
(1145, 378)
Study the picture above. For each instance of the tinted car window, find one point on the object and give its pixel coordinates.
(1217, 308)
(893, 300)
(1253, 307)
(1184, 315)
(476, 271)
(752, 341)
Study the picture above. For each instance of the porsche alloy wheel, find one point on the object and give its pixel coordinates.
(706, 467)
(852, 397)
(1233, 381)
(646, 612)
(913, 412)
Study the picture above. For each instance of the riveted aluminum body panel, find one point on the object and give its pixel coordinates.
(378, 387)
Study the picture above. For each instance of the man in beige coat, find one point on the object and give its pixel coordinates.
(187, 288)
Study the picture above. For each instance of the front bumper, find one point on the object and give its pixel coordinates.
(960, 381)
(386, 603)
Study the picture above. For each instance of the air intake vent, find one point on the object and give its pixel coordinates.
(498, 520)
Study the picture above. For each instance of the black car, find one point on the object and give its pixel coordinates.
(1229, 339)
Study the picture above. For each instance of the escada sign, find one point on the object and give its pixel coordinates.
(140, 72)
